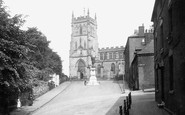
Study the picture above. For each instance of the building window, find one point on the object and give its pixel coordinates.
(143, 41)
(114, 55)
(105, 56)
(80, 30)
(76, 45)
(120, 55)
(110, 55)
(161, 33)
(101, 56)
(117, 55)
(99, 69)
(84, 44)
(171, 71)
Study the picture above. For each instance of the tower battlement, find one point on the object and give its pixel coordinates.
(111, 48)
(84, 19)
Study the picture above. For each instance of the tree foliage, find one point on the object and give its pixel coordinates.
(24, 54)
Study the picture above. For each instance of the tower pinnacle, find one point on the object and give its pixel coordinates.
(88, 12)
(72, 14)
(84, 11)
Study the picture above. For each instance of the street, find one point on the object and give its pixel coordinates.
(74, 98)
(84, 100)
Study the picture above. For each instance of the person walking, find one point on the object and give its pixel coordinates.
(85, 82)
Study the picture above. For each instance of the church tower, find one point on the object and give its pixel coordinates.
(83, 45)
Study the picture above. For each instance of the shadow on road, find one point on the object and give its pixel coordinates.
(114, 110)
(122, 85)
(142, 104)
(20, 111)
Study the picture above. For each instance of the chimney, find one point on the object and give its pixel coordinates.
(141, 30)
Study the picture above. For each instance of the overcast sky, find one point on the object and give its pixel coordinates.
(116, 20)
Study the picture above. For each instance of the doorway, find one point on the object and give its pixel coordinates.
(81, 68)
(81, 75)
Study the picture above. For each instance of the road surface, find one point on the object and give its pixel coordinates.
(78, 99)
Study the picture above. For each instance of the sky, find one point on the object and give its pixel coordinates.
(116, 20)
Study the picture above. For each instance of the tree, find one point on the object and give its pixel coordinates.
(13, 51)
(24, 54)
(43, 57)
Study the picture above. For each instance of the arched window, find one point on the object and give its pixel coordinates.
(81, 65)
(80, 30)
(76, 45)
(81, 68)
(113, 68)
(84, 44)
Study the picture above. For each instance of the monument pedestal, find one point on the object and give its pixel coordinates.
(92, 79)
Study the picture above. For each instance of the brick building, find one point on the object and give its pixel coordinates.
(142, 67)
(135, 44)
(169, 45)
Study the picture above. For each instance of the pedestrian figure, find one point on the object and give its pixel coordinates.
(85, 82)
(30, 98)
(18, 103)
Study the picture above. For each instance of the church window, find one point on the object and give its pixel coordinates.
(110, 55)
(114, 55)
(101, 56)
(120, 55)
(117, 55)
(84, 44)
(105, 55)
(76, 45)
(80, 30)
(99, 68)
(80, 42)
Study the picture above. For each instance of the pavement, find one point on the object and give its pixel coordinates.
(143, 103)
(42, 100)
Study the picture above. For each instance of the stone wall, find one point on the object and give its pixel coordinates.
(40, 89)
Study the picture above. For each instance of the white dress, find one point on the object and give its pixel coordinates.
(18, 103)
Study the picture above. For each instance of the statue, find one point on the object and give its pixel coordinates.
(93, 60)
(93, 79)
